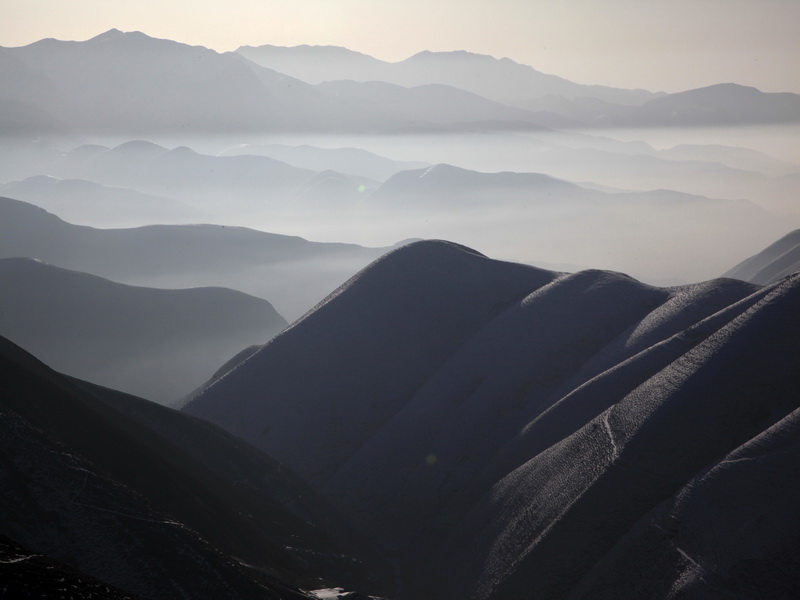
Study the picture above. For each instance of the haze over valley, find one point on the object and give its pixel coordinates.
(199, 136)
(300, 322)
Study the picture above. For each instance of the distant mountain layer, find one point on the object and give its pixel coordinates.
(151, 502)
(88, 203)
(771, 264)
(352, 161)
(502, 80)
(128, 83)
(155, 343)
(293, 274)
(500, 428)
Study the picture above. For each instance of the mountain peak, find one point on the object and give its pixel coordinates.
(111, 34)
(454, 54)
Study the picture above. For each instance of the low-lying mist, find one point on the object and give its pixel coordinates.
(723, 193)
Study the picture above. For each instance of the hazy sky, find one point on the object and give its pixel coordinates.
(669, 45)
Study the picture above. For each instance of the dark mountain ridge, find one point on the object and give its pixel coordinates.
(158, 505)
(500, 428)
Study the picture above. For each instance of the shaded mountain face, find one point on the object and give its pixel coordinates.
(26, 574)
(158, 344)
(127, 83)
(771, 264)
(501, 429)
(293, 274)
(100, 84)
(153, 502)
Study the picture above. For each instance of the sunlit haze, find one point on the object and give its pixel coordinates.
(656, 45)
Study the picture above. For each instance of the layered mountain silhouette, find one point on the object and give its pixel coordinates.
(348, 161)
(432, 103)
(152, 502)
(775, 262)
(293, 274)
(501, 80)
(445, 186)
(720, 104)
(499, 428)
(158, 344)
(230, 184)
(511, 83)
(87, 203)
(130, 83)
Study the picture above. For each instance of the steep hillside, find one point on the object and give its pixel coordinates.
(157, 504)
(771, 264)
(499, 428)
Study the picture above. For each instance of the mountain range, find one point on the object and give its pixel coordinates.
(500, 428)
(89, 203)
(154, 343)
(109, 487)
(132, 84)
(501, 80)
(293, 274)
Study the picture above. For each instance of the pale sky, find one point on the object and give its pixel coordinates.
(669, 45)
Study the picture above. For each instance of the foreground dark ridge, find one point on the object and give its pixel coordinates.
(501, 429)
(153, 502)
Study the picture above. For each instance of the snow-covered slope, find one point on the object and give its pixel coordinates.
(777, 260)
(501, 429)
